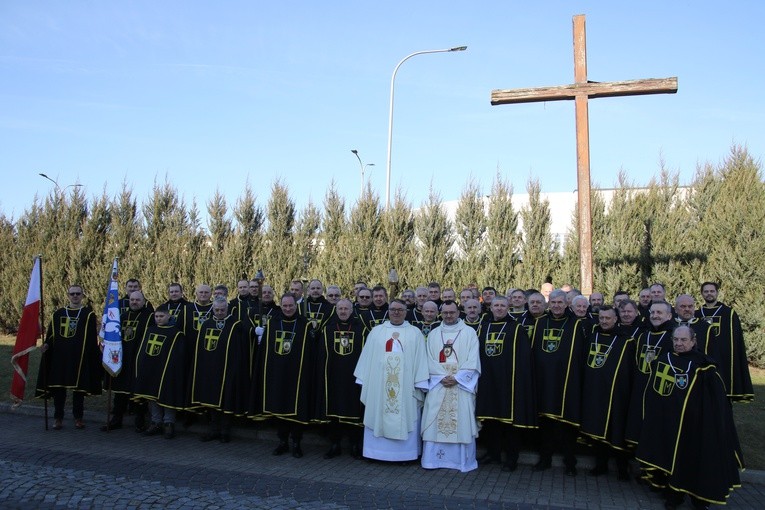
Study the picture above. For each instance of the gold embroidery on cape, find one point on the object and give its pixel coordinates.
(392, 383)
(447, 413)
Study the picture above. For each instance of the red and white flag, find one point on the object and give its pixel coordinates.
(26, 339)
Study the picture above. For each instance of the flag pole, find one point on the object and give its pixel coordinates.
(43, 364)
(109, 387)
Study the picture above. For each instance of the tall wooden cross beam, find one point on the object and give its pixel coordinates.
(580, 91)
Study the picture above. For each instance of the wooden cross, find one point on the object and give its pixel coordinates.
(580, 91)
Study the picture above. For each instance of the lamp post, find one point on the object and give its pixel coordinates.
(390, 115)
(58, 188)
(363, 168)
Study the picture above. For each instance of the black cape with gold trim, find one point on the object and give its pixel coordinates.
(689, 440)
(73, 359)
(558, 348)
(220, 371)
(282, 384)
(338, 350)
(728, 349)
(134, 324)
(318, 310)
(506, 387)
(652, 343)
(607, 386)
(160, 367)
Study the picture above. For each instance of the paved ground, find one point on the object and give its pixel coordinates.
(121, 469)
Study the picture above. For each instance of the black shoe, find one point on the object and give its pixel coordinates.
(623, 475)
(113, 424)
(333, 452)
(542, 465)
(225, 438)
(153, 430)
(571, 471)
(281, 449)
(490, 457)
(140, 422)
(297, 452)
(357, 451)
(599, 470)
(209, 436)
(169, 430)
(510, 466)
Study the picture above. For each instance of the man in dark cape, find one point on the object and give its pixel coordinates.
(267, 308)
(558, 348)
(220, 377)
(282, 384)
(414, 313)
(70, 359)
(339, 348)
(688, 443)
(315, 308)
(537, 307)
(429, 320)
(131, 286)
(239, 307)
(134, 321)
(176, 305)
(471, 315)
(630, 321)
(160, 372)
(378, 311)
(727, 345)
(505, 399)
(651, 344)
(198, 311)
(606, 390)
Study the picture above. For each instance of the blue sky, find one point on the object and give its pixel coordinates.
(215, 95)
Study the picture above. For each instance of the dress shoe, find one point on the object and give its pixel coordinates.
(140, 422)
(357, 451)
(113, 425)
(153, 430)
(571, 471)
(209, 436)
(542, 465)
(281, 449)
(623, 475)
(333, 452)
(58, 425)
(510, 466)
(225, 438)
(169, 430)
(599, 470)
(79, 424)
(297, 452)
(490, 457)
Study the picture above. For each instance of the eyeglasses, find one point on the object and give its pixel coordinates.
(365, 297)
(75, 293)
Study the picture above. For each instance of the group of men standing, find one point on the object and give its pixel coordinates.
(421, 375)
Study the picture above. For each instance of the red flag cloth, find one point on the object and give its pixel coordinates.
(26, 338)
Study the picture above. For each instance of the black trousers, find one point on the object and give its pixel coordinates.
(59, 401)
(554, 433)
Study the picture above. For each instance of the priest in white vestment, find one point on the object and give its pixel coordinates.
(393, 374)
(449, 426)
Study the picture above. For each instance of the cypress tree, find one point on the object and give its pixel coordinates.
(470, 232)
(539, 249)
(502, 237)
(433, 232)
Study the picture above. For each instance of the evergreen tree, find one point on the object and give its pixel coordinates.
(363, 239)
(539, 249)
(502, 237)
(433, 232)
(330, 263)
(396, 241)
(281, 262)
(247, 248)
(470, 231)
(307, 240)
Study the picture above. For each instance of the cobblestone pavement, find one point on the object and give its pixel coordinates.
(121, 469)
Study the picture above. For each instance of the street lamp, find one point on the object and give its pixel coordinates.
(363, 168)
(58, 188)
(390, 116)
